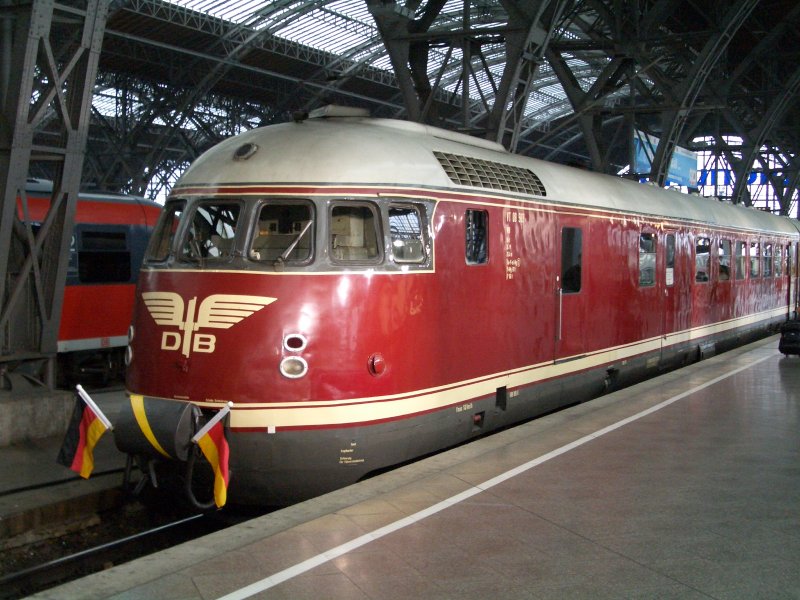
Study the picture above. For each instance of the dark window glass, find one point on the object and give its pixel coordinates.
(724, 260)
(767, 260)
(755, 260)
(741, 260)
(702, 259)
(571, 260)
(477, 231)
(670, 256)
(647, 259)
(103, 255)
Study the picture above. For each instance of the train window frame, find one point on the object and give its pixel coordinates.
(166, 231)
(333, 244)
(399, 235)
(647, 253)
(200, 240)
(571, 260)
(102, 254)
(755, 260)
(724, 260)
(740, 258)
(296, 233)
(778, 268)
(476, 236)
(702, 240)
(670, 250)
(766, 257)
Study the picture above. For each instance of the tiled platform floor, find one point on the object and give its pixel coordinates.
(699, 498)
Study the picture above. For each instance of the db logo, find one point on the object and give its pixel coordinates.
(219, 311)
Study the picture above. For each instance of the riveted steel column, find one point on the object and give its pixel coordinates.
(50, 84)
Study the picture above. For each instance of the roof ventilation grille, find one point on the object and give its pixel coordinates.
(476, 172)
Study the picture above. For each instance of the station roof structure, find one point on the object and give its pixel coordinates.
(566, 80)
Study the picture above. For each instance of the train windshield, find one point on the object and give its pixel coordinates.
(164, 234)
(284, 233)
(211, 232)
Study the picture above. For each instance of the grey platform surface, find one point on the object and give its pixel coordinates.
(685, 486)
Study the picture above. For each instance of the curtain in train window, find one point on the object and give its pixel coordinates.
(571, 260)
(724, 260)
(647, 259)
(741, 260)
(477, 236)
(702, 259)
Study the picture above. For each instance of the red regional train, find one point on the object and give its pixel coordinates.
(108, 245)
(367, 291)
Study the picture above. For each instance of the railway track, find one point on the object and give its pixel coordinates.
(73, 537)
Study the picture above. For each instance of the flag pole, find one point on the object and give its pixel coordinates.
(213, 421)
(91, 404)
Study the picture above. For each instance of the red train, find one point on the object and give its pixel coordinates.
(368, 291)
(108, 244)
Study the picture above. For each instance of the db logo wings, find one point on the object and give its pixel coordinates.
(218, 311)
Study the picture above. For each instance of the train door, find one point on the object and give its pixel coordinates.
(792, 272)
(571, 296)
(666, 280)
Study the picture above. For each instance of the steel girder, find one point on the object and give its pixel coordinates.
(33, 264)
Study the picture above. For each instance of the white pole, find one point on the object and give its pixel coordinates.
(214, 420)
(91, 403)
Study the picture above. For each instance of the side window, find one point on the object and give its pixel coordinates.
(670, 256)
(724, 260)
(477, 236)
(647, 259)
(405, 229)
(103, 255)
(161, 240)
(212, 231)
(702, 259)
(284, 231)
(741, 260)
(767, 272)
(778, 260)
(354, 233)
(755, 260)
(571, 260)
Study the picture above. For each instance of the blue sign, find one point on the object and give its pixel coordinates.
(682, 167)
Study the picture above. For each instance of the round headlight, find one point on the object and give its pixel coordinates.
(128, 356)
(293, 367)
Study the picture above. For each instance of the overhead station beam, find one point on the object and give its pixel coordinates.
(54, 51)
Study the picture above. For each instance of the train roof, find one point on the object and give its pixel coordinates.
(357, 150)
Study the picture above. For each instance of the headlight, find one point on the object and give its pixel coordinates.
(294, 367)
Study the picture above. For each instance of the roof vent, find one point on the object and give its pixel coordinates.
(245, 151)
(476, 172)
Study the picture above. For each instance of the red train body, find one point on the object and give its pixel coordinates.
(369, 291)
(108, 244)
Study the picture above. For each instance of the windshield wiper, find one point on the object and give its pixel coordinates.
(282, 258)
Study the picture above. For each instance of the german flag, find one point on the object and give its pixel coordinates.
(84, 431)
(214, 446)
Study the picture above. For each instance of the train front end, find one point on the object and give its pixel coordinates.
(273, 298)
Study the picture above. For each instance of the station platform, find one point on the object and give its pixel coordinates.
(684, 486)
